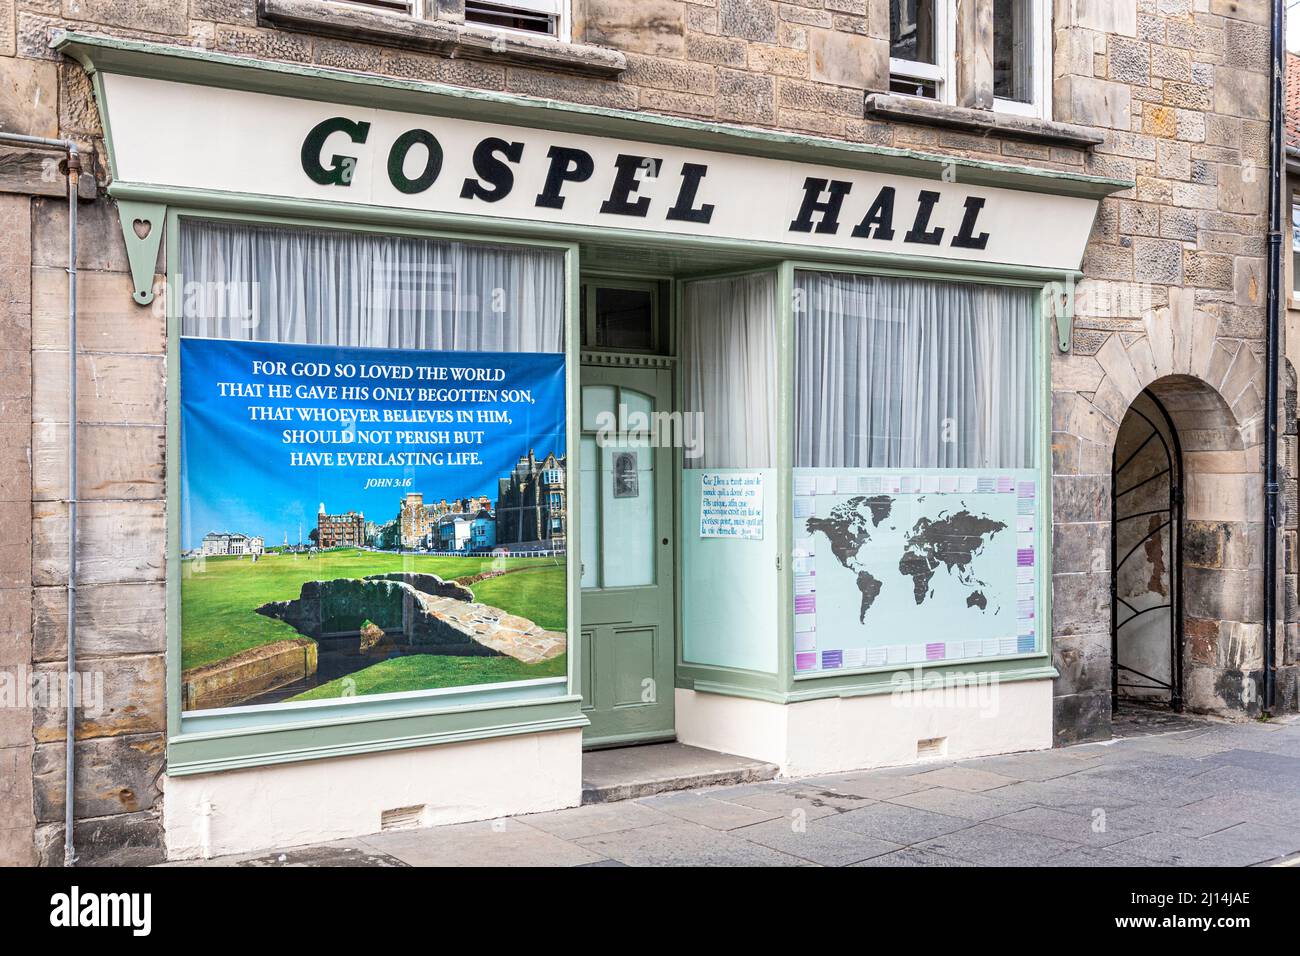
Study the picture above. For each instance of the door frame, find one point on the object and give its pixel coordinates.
(666, 296)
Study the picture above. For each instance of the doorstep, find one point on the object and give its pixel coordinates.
(627, 773)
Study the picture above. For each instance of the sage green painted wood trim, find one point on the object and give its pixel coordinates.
(187, 755)
(573, 469)
(628, 359)
(785, 425)
(209, 68)
(1043, 516)
(142, 251)
(488, 228)
(105, 114)
(1006, 671)
(378, 729)
(688, 674)
(173, 477)
(1061, 297)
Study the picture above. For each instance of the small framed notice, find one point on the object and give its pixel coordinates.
(731, 505)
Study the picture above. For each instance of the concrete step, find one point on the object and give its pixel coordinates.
(627, 773)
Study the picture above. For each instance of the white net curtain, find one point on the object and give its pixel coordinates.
(729, 368)
(910, 373)
(333, 287)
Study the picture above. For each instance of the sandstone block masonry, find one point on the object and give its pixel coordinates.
(1172, 294)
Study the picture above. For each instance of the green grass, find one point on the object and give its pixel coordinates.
(423, 671)
(535, 593)
(219, 603)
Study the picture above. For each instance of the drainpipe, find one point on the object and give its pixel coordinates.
(72, 167)
(1277, 52)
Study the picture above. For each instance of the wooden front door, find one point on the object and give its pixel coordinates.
(626, 509)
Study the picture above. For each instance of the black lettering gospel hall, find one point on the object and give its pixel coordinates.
(494, 160)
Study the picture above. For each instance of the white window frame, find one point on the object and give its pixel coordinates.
(943, 71)
(1041, 82)
(559, 8)
(1293, 274)
(413, 8)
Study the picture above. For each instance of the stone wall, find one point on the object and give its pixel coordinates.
(1174, 291)
(121, 599)
(121, 566)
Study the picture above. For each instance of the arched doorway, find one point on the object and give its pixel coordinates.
(1146, 544)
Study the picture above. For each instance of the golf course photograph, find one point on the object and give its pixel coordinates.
(305, 625)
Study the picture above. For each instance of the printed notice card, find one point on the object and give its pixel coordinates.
(731, 505)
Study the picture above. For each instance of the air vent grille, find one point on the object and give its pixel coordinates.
(401, 818)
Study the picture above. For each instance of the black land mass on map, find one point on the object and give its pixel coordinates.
(870, 588)
(977, 599)
(952, 540)
(848, 526)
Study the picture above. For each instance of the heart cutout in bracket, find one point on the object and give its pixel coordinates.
(142, 228)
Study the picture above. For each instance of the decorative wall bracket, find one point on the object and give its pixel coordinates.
(142, 228)
(1058, 304)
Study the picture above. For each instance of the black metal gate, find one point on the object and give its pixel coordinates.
(1126, 479)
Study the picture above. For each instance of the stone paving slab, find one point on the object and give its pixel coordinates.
(959, 803)
(816, 842)
(684, 844)
(870, 784)
(964, 778)
(595, 818)
(627, 773)
(896, 824)
(706, 811)
(911, 856)
(987, 844)
(789, 801)
(1040, 764)
(1202, 794)
(489, 843)
(1096, 829)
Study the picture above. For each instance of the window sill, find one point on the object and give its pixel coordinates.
(913, 110)
(440, 36)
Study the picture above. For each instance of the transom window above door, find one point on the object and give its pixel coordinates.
(623, 315)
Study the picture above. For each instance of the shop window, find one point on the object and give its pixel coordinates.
(545, 17)
(729, 478)
(916, 482)
(919, 42)
(395, 6)
(1021, 49)
(334, 379)
(729, 370)
(1295, 248)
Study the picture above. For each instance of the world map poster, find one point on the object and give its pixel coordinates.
(898, 567)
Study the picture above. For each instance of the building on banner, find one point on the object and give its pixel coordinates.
(530, 506)
(814, 386)
(336, 531)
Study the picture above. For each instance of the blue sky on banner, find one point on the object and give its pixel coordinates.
(238, 472)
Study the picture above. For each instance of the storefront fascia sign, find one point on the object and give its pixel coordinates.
(254, 143)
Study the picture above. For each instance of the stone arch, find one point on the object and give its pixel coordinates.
(1213, 390)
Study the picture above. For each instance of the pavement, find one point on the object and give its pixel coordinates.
(1165, 791)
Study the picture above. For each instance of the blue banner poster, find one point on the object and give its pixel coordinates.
(359, 522)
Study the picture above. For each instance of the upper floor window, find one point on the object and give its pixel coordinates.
(1021, 46)
(538, 17)
(545, 17)
(1295, 246)
(919, 45)
(397, 6)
